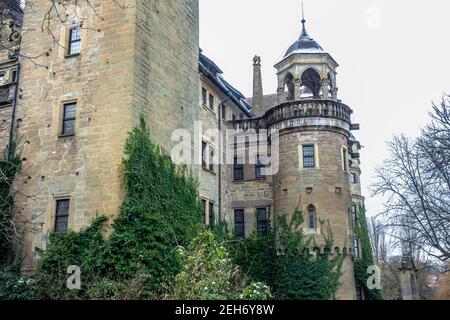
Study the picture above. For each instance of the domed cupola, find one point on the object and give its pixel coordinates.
(304, 44)
(306, 71)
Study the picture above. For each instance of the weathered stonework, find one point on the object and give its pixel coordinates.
(133, 61)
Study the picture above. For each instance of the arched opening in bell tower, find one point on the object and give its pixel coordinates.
(311, 84)
(289, 87)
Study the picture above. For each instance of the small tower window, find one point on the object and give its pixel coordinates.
(312, 218)
(75, 40)
(309, 160)
(311, 84)
(356, 248)
(354, 178)
(354, 213)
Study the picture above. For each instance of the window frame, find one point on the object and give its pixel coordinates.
(211, 101)
(312, 209)
(70, 41)
(237, 166)
(258, 167)
(59, 216)
(240, 223)
(204, 206)
(354, 212)
(260, 222)
(211, 214)
(204, 96)
(356, 248)
(63, 120)
(309, 157)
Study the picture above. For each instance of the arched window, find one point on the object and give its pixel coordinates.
(289, 87)
(311, 84)
(312, 217)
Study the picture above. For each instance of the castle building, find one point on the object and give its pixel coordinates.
(105, 69)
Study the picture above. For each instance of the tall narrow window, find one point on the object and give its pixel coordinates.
(359, 293)
(309, 160)
(238, 169)
(62, 215)
(354, 178)
(354, 213)
(261, 220)
(258, 168)
(212, 154)
(204, 211)
(68, 120)
(239, 222)
(204, 96)
(204, 154)
(211, 101)
(2, 78)
(224, 112)
(75, 40)
(312, 218)
(234, 117)
(356, 247)
(345, 159)
(212, 214)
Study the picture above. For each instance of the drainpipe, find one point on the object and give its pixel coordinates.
(221, 106)
(13, 116)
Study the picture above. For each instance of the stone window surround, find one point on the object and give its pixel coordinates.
(50, 219)
(208, 202)
(316, 155)
(61, 118)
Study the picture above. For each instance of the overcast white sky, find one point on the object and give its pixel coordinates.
(394, 57)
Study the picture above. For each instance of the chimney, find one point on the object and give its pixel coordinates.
(258, 96)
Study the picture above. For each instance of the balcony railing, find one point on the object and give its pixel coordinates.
(7, 92)
(297, 109)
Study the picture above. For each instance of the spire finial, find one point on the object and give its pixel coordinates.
(304, 33)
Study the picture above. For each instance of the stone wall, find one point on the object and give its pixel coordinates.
(132, 61)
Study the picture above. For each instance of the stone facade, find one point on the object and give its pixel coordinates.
(145, 60)
(133, 61)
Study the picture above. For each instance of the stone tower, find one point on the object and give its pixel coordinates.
(106, 65)
(317, 152)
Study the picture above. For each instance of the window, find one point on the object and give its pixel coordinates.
(354, 214)
(241, 116)
(309, 160)
(238, 169)
(75, 40)
(68, 119)
(359, 293)
(345, 159)
(239, 222)
(234, 117)
(258, 168)
(204, 96)
(204, 211)
(204, 149)
(356, 247)
(2, 78)
(312, 218)
(261, 220)
(354, 178)
(211, 214)
(212, 154)
(211, 101)
(224, 112)
(62, 215)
